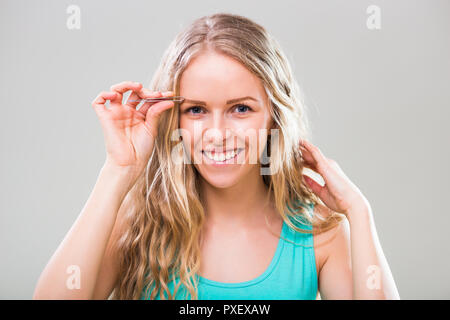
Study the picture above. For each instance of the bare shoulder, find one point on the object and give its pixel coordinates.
(329, 241)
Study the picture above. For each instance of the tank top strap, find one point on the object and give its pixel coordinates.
(298, 237)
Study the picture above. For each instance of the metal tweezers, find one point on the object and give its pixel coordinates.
(174, 99)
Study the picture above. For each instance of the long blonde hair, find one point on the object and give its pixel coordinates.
(164, 213)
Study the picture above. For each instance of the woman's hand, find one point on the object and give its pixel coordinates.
(339, 193)
(129, 133)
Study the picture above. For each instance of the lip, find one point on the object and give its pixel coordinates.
(221, 150)
(221, 163)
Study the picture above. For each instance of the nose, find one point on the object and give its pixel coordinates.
(217, 130)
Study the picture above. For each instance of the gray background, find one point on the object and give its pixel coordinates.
(378, 103)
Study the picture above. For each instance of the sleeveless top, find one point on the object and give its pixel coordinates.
(291, 275)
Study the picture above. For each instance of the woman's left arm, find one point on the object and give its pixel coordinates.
(371, 276)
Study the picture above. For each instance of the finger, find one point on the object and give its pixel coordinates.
(99, 102)
(146, 105)
(309, 166)
(316, 155)
(307, 156)
(321, 191)
(314, 186)
(144, 92)
(135, 97)
(144, 108)
(308, 160)
(121, 88)
(328, 171)
(153, 114)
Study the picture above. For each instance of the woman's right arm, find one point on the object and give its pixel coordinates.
(84, 245)
(86, 250)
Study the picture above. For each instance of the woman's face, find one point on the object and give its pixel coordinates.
(214, 126)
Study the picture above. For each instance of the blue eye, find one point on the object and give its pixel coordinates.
(192, 108)
(243, 106)
(236, 107)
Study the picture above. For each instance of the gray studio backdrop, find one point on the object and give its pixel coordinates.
(378, 103)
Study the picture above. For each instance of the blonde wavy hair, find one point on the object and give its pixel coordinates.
(164, 211)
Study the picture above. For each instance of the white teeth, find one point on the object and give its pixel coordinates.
(221, 156)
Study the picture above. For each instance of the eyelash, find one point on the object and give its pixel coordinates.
(236, 106)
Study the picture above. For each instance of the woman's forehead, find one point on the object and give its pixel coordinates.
(218, 71)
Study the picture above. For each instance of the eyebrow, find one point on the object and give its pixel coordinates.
(203, 103)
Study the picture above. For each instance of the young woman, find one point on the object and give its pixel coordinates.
(186, 205)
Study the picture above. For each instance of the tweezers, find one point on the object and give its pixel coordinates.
(174, 99)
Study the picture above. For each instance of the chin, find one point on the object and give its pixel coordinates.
(220, 180)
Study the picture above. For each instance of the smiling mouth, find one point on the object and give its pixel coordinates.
(222, 157)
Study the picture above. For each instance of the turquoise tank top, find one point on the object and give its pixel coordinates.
(291, 275)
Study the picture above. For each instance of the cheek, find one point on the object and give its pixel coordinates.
(257, 145)
(258, 138)
(190, 141)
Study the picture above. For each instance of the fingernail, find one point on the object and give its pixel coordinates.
(168, 93)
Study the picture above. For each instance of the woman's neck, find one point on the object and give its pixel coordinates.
(242, 205)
